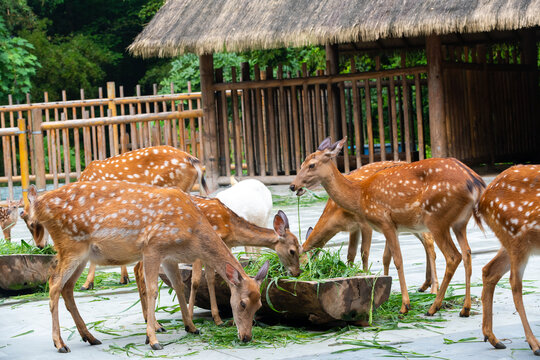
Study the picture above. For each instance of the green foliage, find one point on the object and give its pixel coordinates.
(11, 248)
(149, 9)
(17, 65)
(68, 63)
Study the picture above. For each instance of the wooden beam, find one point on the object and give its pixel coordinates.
(332, 69)
(437, 121)
(211, 156)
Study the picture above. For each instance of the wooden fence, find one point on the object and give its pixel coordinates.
(63, 137)
(270, 123)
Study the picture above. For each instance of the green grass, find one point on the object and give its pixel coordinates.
(11, 248)
(288, 200)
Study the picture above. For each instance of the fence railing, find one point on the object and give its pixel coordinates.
(63, 137)
(268, 125)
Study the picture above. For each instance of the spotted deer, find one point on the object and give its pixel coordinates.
(116, 223)
(235, 231)
(511, 208)
(163, 166)
(433, 195)
(335, 219)
(8, 218)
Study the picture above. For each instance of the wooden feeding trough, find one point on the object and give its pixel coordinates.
(319, 302)
(24, 271)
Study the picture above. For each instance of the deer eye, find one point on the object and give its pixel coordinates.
(311, 166)
(292, 252)
(242, 304)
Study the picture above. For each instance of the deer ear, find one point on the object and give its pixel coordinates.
(279, 225)
(325, 144)
(336, 147)
(32, 194)
(308, 232)
(284, 217)
(232, 274)
(262, 272)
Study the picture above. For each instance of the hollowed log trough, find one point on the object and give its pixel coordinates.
(328, 301)
(24, 271)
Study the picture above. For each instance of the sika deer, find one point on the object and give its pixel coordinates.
(335, 219)
(163, 166)
(236, 231)
(511, 208)
(8, 218)
(115, 222)
(429, 195)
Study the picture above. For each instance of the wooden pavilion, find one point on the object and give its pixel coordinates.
(481, 80)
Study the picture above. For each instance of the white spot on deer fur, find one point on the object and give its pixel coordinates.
(82, 200)
(174, 161)
(183, 165)
(155, 151)
(189, 230)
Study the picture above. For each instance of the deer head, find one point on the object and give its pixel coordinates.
(245, 298)
(287, 247)
(39, 234)
(316, 166)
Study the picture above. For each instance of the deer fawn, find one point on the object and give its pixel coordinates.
(163, 166)
(8, 218)
(335, 219)
(511, 208)
(236, 231)
(429, 195)
(114, 222)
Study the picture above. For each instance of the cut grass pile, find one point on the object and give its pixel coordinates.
(12, 248)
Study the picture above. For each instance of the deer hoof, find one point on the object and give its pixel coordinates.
(124, 280)
(421, 289)
(465, 312)
(537, 352)
(94, 342)
(161, 329)
(500, 345)
(64, 349)
(156, 346)
(89, 287)
(196, 331)
(147, 341)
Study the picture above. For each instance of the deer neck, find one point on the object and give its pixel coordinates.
(344, 193)
(216, 254)
(248, 234)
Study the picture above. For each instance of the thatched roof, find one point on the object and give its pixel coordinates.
(203, 27)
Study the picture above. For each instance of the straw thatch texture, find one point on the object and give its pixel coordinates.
(204, 27)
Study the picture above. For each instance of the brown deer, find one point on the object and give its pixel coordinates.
(236, 231)
(511, 208)
(116, 223)
(335, 219)
(163, 166)
(8, 218)
(433, 195)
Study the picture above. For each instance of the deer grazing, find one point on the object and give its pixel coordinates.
(251, 200)
(114, 222)
(511, 208)
(236, 231)
(8, 218)
(163, 166)
(335, 219)
(433, 195)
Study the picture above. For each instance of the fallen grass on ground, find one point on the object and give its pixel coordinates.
(12, 248)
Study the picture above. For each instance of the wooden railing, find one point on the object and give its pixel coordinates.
(63, 137)
(268, 125)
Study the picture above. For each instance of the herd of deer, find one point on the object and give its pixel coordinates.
(134, 208)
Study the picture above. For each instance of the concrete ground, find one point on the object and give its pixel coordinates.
(32, 321)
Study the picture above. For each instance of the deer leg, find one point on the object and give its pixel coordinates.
(7, 234)
(431, 269)
(393, 243)
(89, 283)
(386, 258)
(461, 235)
(491, 274)
(141, 286)
(151, 271)
(196, 274)
(518, 261)
(365, 246)
(210, 280)
(452, 257)
(69, 300)
(173, 273)
(60, 275)
(124, 277)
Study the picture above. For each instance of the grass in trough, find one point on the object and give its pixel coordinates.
(12, 248)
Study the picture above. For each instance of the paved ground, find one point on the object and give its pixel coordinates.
(33, 319)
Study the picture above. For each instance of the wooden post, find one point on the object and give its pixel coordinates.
(111, 94)
(206, 66)
(37, 137)
(23, 153)
(332, 61)
(437, 126)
